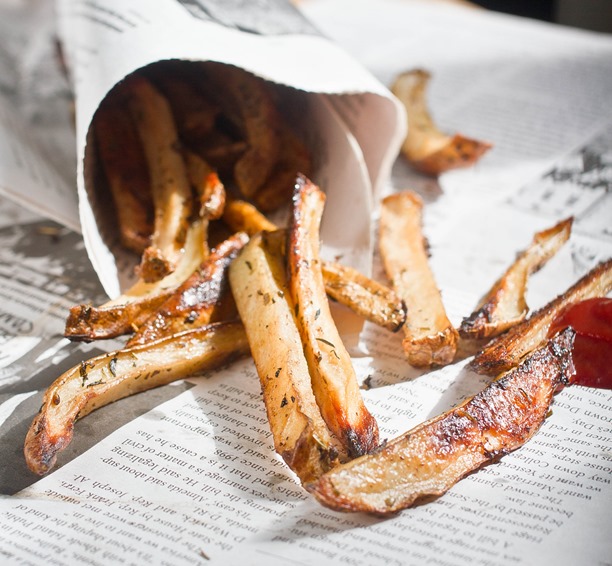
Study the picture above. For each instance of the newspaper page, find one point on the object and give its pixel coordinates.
(187, 473)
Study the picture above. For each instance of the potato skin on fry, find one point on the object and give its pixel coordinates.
(429, 459)
(109, 377)
(507, 350)
(426, 148)
(505, 305)
(258, 280)
(333, 377)
(194, 302)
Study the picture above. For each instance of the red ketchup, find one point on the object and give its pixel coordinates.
(592, 352)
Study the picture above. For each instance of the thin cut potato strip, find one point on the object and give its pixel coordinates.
(125, 168)
(505, 305)
(258, 281)
(364, 296)
(194, 302)
(170, 186)
(109, 377)
(430, 338)
(254, 110)
(333, 377)
(426, 148)
(507, 350)
(429, 459)
(125, 313)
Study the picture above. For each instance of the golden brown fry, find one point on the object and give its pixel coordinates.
(426, 148)
(194, 113)
(430, 337)
(333, 378)
(242, 216)
(207, 185)
(109, 377)
(364, 296)
(125, 313)
(294, 158)
(170, 186)
(195, 301)
(507, 350)
(258, 280)
(504, 305)
(123, 162)
(429, 459)
(248, 98)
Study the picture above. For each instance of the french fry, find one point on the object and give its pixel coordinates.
(333, 377)
(207, 185)
(430, 338)
(248, 101)
(507, 350)
(242, 216)
(429, 459)
(109, 377)
(125, 169)
(364, 296)
(258, 281)
(194, 302)
(170, 186)
(426, 148)
(123, 314)
(504, 305)
(195, 114)
(293, 158)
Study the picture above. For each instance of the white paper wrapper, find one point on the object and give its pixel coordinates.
(348, 118)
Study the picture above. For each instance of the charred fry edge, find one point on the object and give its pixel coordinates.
(507, 350)
(109, 377)
(333, 377)
(491, 316)
(194, 302)
(429, 459)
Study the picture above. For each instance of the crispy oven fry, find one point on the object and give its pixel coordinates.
(258, 280)
(109, 377)
(426, 148)
(194, 113)
(429, 459)
(128, 311)
(364, 296)
(507, 350)
(169, 184)
(333, 378)
(249, 104)
(430, 337)
(194, 302)
(505, 305)
(126, 172)
(293, 158)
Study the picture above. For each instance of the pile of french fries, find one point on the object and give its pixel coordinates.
(193, 164)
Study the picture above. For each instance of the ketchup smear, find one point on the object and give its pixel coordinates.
(592, 352)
